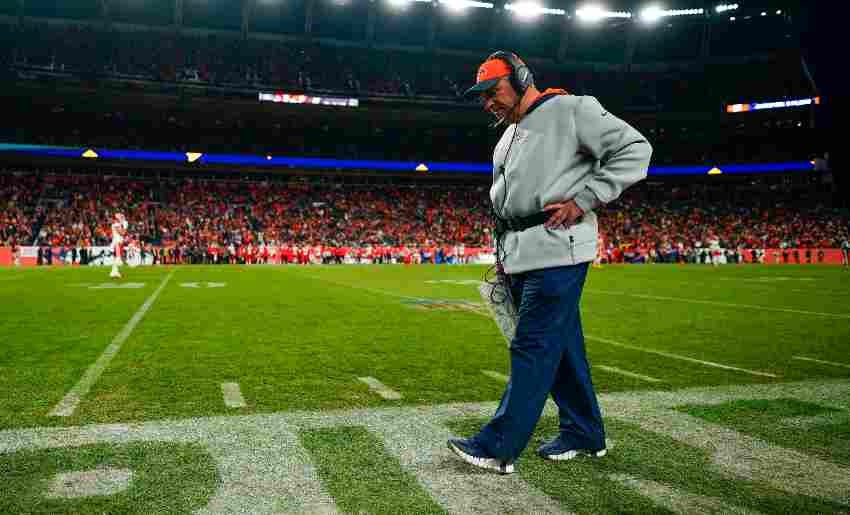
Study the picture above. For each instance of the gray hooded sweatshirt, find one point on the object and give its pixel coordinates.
(567, 147)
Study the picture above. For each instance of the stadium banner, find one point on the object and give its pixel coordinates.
(102, 256)
(61, 256)
(796, 256)
(319, 163)
(280, 97)
(781, 104)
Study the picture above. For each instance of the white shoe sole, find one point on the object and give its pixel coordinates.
(484, 463)
(564, 456)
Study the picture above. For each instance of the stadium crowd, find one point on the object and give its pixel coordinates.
(683, 229)
(60, 56)
(221, 220)
(295, 65)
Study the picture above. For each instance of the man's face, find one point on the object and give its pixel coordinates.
(500, 99)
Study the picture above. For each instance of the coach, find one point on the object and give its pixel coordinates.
(560, 157)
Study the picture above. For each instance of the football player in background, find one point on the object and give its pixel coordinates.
(119, 229)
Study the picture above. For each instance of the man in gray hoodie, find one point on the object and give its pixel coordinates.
(560, 157)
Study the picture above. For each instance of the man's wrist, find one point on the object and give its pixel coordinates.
(586, 200)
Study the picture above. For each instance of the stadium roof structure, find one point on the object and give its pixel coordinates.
(604, 31)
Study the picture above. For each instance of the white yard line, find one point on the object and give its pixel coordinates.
(69, 403)
(495, 375)
(264, 469)
(679, 357)
(380, 388)
(232, 395)
(823, 362)
(719, 303)
(824, 419)
(676, 500)
(620, 371)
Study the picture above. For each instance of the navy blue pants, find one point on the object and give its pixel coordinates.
(547, 356)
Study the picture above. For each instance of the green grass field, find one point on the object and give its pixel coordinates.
(725, 390)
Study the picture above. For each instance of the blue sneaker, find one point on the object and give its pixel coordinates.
(471, 453)
(560, 450)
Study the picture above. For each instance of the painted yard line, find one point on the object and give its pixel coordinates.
(264, 469)
(675, 500)
(677, 356)
(824, 362)
(418, 442)
(495, 375)
(103, 481)
(831, 418)
(380, 388)
(472, 307)
(719, 303)
(620, 371)
(69, 403)
(232, 395)
(739, 455)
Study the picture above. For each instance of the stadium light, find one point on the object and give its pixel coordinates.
(722, 8)
(459, 5)
(593, 13)
(651, 14)
(590, 13)
(401, 4)
(529, 10)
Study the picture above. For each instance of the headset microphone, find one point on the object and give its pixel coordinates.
(497, 122)
(501, 119)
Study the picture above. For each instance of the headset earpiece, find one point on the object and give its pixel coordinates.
(520, 77)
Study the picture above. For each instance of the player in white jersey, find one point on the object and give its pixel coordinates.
(600, 251)
(119, 229)
(714, 249)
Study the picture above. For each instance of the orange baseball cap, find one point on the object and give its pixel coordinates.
(488, 75)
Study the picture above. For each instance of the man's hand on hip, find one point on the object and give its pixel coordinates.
(565, 214)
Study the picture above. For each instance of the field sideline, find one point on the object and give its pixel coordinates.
(283, 389)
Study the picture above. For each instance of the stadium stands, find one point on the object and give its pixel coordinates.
(227, 59)
(65, 210)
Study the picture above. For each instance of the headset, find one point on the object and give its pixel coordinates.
(520, 79)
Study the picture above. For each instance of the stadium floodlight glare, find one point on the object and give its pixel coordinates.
(590, 13)
(722, 8)
(527, 10)
(779, 11)
(459, 5)
(401, 4)
(593, 13)
(653, 13)
(683, 12)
